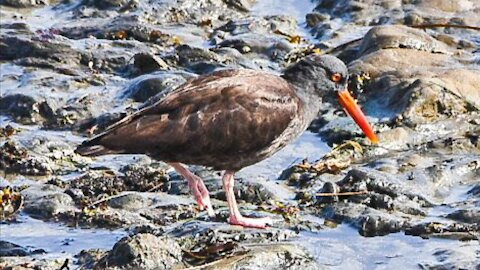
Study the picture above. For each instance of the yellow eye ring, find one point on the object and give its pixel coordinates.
(336, 77)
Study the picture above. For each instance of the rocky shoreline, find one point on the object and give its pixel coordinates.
(70, 68)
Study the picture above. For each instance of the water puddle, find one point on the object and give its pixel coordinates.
(344, 248)
(55, 239)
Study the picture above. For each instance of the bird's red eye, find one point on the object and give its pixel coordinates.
(336, 77)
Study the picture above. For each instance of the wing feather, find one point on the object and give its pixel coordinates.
(209, 118)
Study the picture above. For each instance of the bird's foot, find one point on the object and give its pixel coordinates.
(197, 187)
(205, 204)
(260, 223)
(202, 196)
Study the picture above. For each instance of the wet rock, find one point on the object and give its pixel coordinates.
(147, 86)
(475, 191)
(452, 231)
(468, 216)
(11, 249)
(198, 235)
(389, 37)
(135, 178)
(169, 213)
(130, 202)
(284, 26)
(15, 159)
(369, 222)
(142, 251)
(146, 63)
(378, 225)
(242, 5)
(450, 259)
(253, 43)
(198, 60)
(88, 258)
(46, 201)
(314, 18)
(26, 109)
(28, 263)
(410, 91)
(106, 4)
(24, 3)
(40, 47)
(248, 192)
(328, 187)
(98, 124)
(283, 256)
(18, 105)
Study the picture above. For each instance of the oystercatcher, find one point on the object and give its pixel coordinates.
(228, 120)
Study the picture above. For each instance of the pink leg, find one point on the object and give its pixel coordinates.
(235, 217)
(197, 187)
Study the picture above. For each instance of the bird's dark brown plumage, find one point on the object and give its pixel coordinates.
(228, 119)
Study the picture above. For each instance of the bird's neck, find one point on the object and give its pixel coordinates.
(304, 79)
(309, 95)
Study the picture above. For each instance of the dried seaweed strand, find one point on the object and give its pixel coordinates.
(216, 262)
(155, 187)
(106, 199)
(343, 45)
(433, 25)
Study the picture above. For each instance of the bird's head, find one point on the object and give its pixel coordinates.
(322, 74)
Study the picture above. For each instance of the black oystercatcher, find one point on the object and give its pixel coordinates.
(228, 120)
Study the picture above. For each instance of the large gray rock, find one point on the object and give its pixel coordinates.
(415, 78)
(269, 257)
(46, 201)
(142, 251)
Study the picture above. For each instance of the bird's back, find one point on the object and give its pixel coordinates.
(228, 119)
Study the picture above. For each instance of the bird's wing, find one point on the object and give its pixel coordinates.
(230, 111)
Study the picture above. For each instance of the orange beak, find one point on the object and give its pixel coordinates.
(356, 113)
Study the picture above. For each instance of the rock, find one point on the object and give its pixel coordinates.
(271, 257)
(147, 86)
(378, 225)
(130, 202)
(46, 201)
(11, 249)
(314, 18)
(26, 109)
(390, 37)
(146, 63)
(198, 60)
(248, 192)
(398, 135)
(16, 159)
(468, 216)
(88, 258)
(24, 3)
(106, 4)
(261, 44)
(19, 105)
(242, 5)
(41, 47)
(411, 83)
(142, 251)
(98, 124)
(450, 231)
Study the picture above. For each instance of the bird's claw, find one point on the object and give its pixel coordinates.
(260, 223)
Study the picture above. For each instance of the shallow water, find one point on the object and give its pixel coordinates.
(344, 248)
(57, 240)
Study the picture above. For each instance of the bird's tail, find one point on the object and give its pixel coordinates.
(93, 148)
